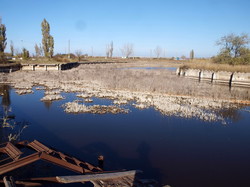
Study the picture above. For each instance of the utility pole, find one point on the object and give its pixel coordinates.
(69, 49)
(92, 53)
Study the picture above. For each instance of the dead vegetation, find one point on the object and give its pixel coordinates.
(208, 64)
(116, 77)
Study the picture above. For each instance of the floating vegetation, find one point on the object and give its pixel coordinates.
(141, 105)
(84, 95)
(120, 102)
(24, 91)
(75, 107)
(88, 100)
(52, 97)
(52, 92)
(40, 88)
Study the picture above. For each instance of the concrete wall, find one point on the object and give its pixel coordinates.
(220, 77)
(206, 76)
(53, 67)
(41, 68)
(28, 67)
(241, 79)
(48, 67)
(193, 73)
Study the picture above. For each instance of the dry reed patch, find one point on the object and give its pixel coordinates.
(209, 65)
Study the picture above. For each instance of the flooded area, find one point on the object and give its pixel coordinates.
(177, 140)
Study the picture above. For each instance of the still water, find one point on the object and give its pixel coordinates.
(175, 151)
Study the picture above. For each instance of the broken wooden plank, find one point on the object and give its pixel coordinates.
(12, 151)
(19, 163)
(95, 177)
(39, 147)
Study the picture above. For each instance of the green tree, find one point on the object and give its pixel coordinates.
(3, 38)
(12, 48)
(25, 54)
(51, 46)
(192, 54)
(47, 40)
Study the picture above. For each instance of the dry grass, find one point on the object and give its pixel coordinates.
(207, 64)
(116, 77)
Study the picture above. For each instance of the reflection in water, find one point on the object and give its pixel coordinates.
(10, 129)
(5, 93)
(240, 93)
(231, 113)
(47, 104)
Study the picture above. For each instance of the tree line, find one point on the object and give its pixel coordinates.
(47, 48)
(234, 48)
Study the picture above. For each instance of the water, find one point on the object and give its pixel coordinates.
(175, 151)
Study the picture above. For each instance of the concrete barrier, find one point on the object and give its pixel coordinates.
(28, 67)
(41, 67)
(182, 72)
(53, 67)
(193, 73)
(177, 71)
(206, 76)
(241, 79)
(222, 77)
(48, 67)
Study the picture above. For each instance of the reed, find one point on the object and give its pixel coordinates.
(208, 64)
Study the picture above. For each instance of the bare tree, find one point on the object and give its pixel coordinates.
(158, 51)
(183, 57)
(18, 53)
(38, 51)
(78, 54)
(232, 44)
(111, 48)
(127, 50)
(107, 51)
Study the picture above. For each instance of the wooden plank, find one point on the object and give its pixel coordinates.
(95, 177)
(12, 151)
(62, 163)
(39, 147)
(19, 163)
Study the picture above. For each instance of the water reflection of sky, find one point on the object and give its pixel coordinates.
(175, 151)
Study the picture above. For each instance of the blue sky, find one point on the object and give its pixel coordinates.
(177, 26)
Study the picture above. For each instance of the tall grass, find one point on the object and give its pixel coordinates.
(208, 64)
